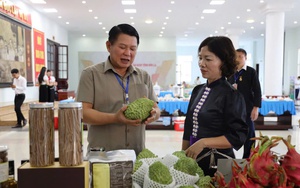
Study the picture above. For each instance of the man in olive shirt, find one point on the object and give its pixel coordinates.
(104, 88)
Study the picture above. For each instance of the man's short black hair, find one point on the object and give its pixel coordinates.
(242, 50)
(14, 71)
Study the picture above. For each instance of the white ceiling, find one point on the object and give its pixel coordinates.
(182, 20)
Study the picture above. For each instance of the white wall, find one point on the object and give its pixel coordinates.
(50, 29)
(86, 44)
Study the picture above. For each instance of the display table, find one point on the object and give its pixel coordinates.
(275, 115)
(65, 94)
(172, 106)
(164, 93)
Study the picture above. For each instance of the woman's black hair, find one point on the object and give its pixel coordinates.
(42, 74)
(222, 47)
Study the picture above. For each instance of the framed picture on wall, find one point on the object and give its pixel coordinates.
(15, 50)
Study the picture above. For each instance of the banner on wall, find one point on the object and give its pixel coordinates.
(39, 51)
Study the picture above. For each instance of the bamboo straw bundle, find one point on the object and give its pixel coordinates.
(70, 134)
(41, 134)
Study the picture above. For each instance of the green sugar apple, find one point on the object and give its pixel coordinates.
(139, 109)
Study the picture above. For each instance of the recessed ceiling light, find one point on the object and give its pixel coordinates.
(250, 21)
(59, 17)
(83, 2)
(167, 18)
(162, 32)
(209, 11)
(129, 11)
(128, 2)
(172, 2)
(262, 23)
(262, 34)
(132, 23)
(96, 17)
(149, 21)
(295, 22)
(83, 35)
(67, 23)
(217, 2)
(103, 28)
(106, 32)
(248, 10)
(216, 31)
(238, 17)
(38, 1)
(169, 10)
(252, 27)
(90, 10)
(165, 23)
(160, 35)
(50, 10)
(131, 17)
(202, 17)
(163, 28)
(186, 35)
(222, 28)
(229, 23)
(100, 23)
(197, 23)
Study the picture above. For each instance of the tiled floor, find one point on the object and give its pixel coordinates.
(161, 142)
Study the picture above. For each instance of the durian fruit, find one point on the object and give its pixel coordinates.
(139, 109)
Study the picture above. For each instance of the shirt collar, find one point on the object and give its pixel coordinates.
(108, 66)
(244, 67)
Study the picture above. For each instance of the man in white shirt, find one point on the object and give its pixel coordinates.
(19, 85)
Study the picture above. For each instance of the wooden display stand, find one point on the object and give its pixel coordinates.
(65, 94)
(281, 122)
(53, 176)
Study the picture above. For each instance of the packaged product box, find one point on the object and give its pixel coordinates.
(111, 169)
(53, 176)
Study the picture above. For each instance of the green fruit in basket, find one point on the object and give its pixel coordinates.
(186, 165)
(137, 165)
(139, 109)
(160, 173)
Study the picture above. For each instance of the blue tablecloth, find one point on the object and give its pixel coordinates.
(163, 93)
(277, 106)
(171, 106)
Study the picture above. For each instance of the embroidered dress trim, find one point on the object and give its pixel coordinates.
(196, 111)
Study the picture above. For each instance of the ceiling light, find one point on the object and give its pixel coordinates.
(59, 17)
(248, 10)
(295, 22)
(129, 11)
(172, 2)
(165, 23)
(100, 23)
(252, 27)
(103, 28)
(83, 2)
(262, 34)
(186, 35)
(67, 23)
(106, 32)
(38, 1)
(160, 35)
(128, 2)
(90, 10)
(50, 10)
(217, 2)
(250, 21)
(132, 23)
(167, 18)
(148, 21)
(83, 35)
(238, 17)
(169, 10)
(163, 28)
(262, 23)
(209, 11)
(216, 32)
(161, 32)
(202, 17)
(131, 17)
(222, 28)
(229, 23)
(197, 23)
(96, 17)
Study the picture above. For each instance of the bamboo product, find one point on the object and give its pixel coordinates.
(70, 133)
(41, 134)
(3, 164)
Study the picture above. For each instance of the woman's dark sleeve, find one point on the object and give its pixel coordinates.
(235, 117)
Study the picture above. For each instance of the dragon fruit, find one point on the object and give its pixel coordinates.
(291, 164)
(262, 164)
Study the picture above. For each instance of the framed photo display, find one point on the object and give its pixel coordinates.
(15, 50)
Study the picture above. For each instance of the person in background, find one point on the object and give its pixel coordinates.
(245, 80)
(297, 87)
(198, 81)
(106, 88)
(215, 122)
(19, 85)
(43, 85)
(51, 86)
